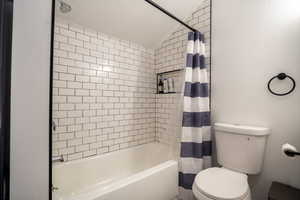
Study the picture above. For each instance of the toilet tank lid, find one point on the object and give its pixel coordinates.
(242, 129)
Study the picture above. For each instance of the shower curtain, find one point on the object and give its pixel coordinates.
(195, 150)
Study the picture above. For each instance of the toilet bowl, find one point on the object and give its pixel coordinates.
(221, 184)
(240, 151)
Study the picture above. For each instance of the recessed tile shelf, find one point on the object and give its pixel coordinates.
(161, 74)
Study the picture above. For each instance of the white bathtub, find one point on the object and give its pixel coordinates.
(145, 172)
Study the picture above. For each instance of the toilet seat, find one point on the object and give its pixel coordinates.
(221, 184)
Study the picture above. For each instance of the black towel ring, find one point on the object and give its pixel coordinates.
(282, 76)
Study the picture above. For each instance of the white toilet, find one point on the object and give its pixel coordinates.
(240, 151)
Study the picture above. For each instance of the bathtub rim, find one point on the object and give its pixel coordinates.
(123, 182)
(66, 163)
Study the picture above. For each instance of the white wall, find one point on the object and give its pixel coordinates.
(30, 100)
(253, 41)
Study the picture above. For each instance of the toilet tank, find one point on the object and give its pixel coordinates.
(241, 148)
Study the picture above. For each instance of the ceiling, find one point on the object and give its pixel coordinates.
(133, 20)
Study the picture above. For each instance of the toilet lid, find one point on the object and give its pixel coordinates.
(221, 183)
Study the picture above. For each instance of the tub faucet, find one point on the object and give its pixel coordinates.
(58, 158)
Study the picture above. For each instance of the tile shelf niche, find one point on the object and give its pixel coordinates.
(162, 74)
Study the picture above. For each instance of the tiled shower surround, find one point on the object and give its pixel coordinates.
(104, 93)
(104, 89)
(170, 56)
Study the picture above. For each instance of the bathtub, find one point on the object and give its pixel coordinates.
(145, 172)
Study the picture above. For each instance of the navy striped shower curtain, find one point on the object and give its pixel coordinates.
(195, 151)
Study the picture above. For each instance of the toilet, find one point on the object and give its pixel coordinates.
(240, 152)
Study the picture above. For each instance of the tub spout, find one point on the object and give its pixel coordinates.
(58, 158)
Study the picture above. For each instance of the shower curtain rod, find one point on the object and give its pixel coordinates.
(170, 15)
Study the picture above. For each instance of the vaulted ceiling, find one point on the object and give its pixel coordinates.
(133, 20)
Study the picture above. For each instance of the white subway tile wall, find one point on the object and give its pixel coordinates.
(170, 56)
(104, 89)
(104, 93)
